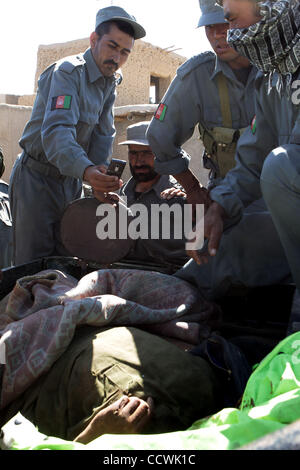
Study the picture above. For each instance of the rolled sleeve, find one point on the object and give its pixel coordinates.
(174, 166)
(228, 200)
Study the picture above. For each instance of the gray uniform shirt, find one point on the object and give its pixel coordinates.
(71, 126)
(193, 98)
(277, 124)
(170, 251)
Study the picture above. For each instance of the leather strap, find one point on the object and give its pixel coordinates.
(224, 100)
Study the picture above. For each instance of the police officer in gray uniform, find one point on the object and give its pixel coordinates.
(69, 136)
(268, 156)
(212, 90)
(216, 91)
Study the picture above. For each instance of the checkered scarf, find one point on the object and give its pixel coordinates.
(272, 44)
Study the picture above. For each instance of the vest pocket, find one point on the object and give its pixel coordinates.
(117, 380)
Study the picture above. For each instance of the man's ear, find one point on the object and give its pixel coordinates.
(93, 39)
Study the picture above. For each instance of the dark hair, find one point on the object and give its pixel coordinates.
(104, 28)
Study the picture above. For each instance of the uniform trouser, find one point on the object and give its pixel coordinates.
(101, 365)
(250, 254)
(37, 203)
(280, 183)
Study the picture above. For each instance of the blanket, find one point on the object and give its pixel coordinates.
(38, 319)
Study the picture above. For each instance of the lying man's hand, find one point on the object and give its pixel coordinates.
(213, 229)
(96, 177)
(128, 415)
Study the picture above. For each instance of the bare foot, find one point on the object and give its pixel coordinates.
(128, 415)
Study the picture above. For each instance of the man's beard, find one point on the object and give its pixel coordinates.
(143, 177)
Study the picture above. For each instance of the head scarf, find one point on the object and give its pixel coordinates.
(272, 44)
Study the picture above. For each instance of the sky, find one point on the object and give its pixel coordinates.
(26, 24)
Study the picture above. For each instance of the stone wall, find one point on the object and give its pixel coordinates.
(12, 121)
(9, 99)
(26, 100)
(145, 61)
(132, 106)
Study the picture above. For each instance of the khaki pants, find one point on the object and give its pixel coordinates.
(102, 364)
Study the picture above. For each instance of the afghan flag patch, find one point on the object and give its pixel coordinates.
(161, 112)
(253, 125)
(61, 102)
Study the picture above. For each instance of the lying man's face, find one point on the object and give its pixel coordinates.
(241, 13)
(141, 162)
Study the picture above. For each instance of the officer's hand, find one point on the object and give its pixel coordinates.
(213, 229)
(196, 196)
(169, 193)
(95, 176)
(107, 198)
(199, 195)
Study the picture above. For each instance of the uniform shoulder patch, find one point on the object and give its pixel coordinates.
(253, 125)
(70, 63)
(61, 102)
(160, 113)
(194, 62)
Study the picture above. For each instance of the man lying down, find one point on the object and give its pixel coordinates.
(107, 354)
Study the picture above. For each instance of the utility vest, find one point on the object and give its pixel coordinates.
(220, 142)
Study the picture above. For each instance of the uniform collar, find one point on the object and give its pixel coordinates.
(93, 71)
(221, 66)
(158, 187)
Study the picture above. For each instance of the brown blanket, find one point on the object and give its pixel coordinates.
(43, 311)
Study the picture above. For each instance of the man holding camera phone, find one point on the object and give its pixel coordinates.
(69, 137)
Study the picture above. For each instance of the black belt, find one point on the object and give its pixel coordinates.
(43, 168)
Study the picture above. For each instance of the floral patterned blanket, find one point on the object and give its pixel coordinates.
(39, 317)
